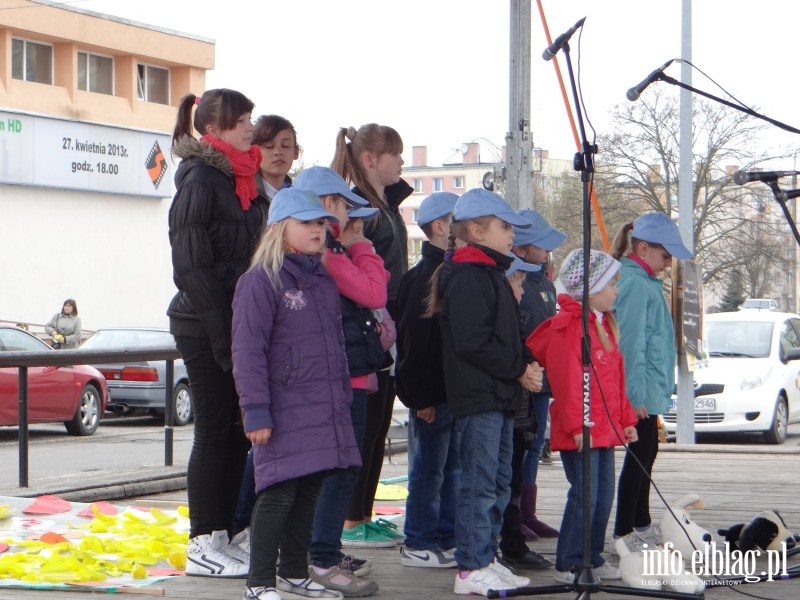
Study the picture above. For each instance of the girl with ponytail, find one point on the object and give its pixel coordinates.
(215, 222)
(370, 159)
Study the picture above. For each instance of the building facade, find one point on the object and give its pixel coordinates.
(459, 176)
(87, 107)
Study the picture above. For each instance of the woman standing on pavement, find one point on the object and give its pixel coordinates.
(215, 222)
(65, 326)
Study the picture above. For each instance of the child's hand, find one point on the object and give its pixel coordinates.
(538, 375)
(641, 412)
(631, 435)
(579, 441)
(259, 436)
(353, 233)
(531, 379)
(427, 414)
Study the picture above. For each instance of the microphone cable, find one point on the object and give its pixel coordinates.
(714, 578)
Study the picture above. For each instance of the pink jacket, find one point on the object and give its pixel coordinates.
(362, 278)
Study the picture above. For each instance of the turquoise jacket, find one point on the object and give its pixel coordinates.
(646, 338)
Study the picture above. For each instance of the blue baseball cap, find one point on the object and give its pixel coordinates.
(658, 228)
(362, 212)
(323, 181)
(520, 265)
(302, 205)
(436, 206)
(479, 202)
(541, 235)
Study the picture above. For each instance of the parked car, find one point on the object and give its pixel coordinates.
(752, 382)
(75, 395)
(140, 386)
(760, 304)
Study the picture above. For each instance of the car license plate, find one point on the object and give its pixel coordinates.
(702, 404)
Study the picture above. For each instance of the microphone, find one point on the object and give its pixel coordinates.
(634, 93)
(743, 177)
(561, 40)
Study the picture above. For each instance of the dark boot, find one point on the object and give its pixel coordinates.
(529, 520)
(530, 561)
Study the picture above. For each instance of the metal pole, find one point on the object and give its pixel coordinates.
(519, 147)
(169, 413)
(685, 412)
(23, 427)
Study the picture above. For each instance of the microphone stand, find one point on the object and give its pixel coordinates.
(586, 582)
(664, 77)
(780, 196)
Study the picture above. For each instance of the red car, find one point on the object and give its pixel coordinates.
(75, 395)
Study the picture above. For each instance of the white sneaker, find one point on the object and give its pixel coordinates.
(239, 548)
(435, 559)
(633, 541)
(306, 587)
(507, 574)
(606, 571)
(567, 577)
(260, 593)
(651, 535)
(480, 582)
(206, 557)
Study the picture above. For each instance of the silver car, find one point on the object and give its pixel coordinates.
(140, 386)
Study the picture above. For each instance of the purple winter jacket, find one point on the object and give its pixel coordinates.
(291, 371)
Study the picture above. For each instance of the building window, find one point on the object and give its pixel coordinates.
(31, 61)
(438, 184)
(458, 182)
(418, 186)
(414, 215)
(95, 73)
(153, 84)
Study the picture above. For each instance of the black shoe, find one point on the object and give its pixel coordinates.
(529, 561)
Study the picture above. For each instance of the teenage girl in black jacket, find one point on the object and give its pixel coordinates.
(214, 225)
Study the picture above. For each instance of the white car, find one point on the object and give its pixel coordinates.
(752, 382)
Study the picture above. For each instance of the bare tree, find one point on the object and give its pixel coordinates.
(639, 162)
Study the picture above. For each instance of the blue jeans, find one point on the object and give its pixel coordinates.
(335, 496)
(569, 549)
(541, 406)
(484, 442)
(433, 479)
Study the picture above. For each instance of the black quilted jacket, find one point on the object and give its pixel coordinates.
(212, 241)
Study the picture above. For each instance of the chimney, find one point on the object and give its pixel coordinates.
(419, 156)
(471, 152)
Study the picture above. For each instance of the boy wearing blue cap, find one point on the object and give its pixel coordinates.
(534, 245)
(290, 369)
(486, 367)
(433, 470)
(647, 343)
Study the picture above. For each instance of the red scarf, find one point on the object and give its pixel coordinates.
(470, 254)
(641, 263)
(245, 166)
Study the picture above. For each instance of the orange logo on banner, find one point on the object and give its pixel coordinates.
(156, 165)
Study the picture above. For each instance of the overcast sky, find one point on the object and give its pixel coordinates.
(437, 70)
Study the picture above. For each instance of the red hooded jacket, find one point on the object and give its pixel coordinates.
(556, 343)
